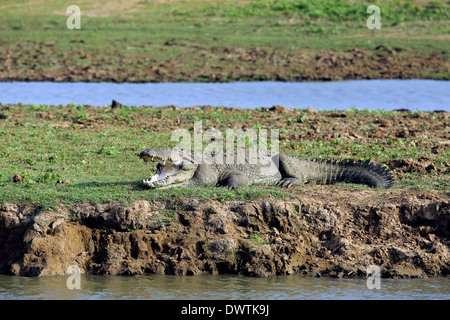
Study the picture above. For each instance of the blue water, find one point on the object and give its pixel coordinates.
(222, 287)
(426, 95)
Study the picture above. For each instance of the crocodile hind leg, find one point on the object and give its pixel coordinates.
(288, 182)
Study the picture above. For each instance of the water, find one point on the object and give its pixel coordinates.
(426, 95)
(221, 287)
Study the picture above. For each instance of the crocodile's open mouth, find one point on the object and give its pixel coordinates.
(163, 173)
(171, 170)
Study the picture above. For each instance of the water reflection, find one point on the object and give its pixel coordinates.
(220, 287)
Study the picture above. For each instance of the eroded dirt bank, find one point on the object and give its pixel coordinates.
(319, 232)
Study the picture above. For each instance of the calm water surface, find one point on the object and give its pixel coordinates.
(426, 95)
(220, 287)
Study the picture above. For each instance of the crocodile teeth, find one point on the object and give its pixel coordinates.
(148, 183)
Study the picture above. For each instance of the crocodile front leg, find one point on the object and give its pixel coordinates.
(234, 180)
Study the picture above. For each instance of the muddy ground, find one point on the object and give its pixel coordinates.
(405, 234)
(41, 61)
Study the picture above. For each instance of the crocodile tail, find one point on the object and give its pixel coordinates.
(374, 175)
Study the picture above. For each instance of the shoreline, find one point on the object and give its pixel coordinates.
(72, 193)
(80, 200)
(415, 95)
(404, 235)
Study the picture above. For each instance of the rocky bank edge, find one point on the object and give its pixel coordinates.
(325, 232)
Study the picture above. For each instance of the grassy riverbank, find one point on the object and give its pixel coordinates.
(94, 150)
(141, 41)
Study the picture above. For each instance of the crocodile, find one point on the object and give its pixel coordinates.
(178, 168)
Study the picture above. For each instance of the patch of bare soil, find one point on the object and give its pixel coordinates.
(406, 235)
(41, 61)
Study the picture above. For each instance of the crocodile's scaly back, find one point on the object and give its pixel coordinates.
(331, 171)
(179, 169)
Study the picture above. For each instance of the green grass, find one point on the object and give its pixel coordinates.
(337, 11)
(101, 165)
(45, 144)
(141, 29)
